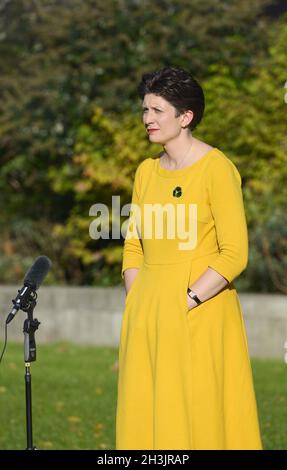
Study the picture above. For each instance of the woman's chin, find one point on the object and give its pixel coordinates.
(155, 139)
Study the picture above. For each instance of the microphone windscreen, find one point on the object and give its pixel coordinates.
(38, 271)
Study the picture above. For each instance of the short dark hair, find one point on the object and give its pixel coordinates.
(179, 88)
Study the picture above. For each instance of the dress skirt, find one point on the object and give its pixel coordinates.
(185, 379)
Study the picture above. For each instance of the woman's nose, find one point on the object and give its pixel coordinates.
(149, 117)
(148, 120)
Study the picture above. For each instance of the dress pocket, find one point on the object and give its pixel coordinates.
(185, 300)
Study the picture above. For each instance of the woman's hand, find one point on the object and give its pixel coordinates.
(129, 277)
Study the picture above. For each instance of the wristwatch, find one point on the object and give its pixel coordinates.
(193, 296)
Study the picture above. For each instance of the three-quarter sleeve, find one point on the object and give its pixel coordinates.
(132, 251)
(227, 206)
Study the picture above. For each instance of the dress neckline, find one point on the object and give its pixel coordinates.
(180, 171)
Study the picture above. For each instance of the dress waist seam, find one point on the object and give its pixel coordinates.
(183, 260)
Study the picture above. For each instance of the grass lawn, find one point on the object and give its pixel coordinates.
(74, 391)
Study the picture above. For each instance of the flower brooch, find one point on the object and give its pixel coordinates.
(177, 192)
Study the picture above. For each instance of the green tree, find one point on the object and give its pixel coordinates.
(69, 128)
(60, 58)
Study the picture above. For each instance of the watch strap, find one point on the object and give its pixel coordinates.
(193, 296)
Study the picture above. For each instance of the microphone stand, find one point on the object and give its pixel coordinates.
(29, 328)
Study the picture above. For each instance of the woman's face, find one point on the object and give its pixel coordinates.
(159, 114)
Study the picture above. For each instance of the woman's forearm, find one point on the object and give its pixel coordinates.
(207, 285)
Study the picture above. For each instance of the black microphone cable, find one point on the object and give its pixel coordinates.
(5, 342)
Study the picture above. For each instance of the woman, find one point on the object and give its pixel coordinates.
(185, 380)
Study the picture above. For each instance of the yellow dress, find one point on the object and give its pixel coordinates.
(185, 379)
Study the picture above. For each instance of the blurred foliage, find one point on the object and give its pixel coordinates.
(107, 152)
(248, 120)
(71, 132)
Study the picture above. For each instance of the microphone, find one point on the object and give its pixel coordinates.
(32, 281)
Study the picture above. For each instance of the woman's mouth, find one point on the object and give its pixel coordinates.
(152, 130)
